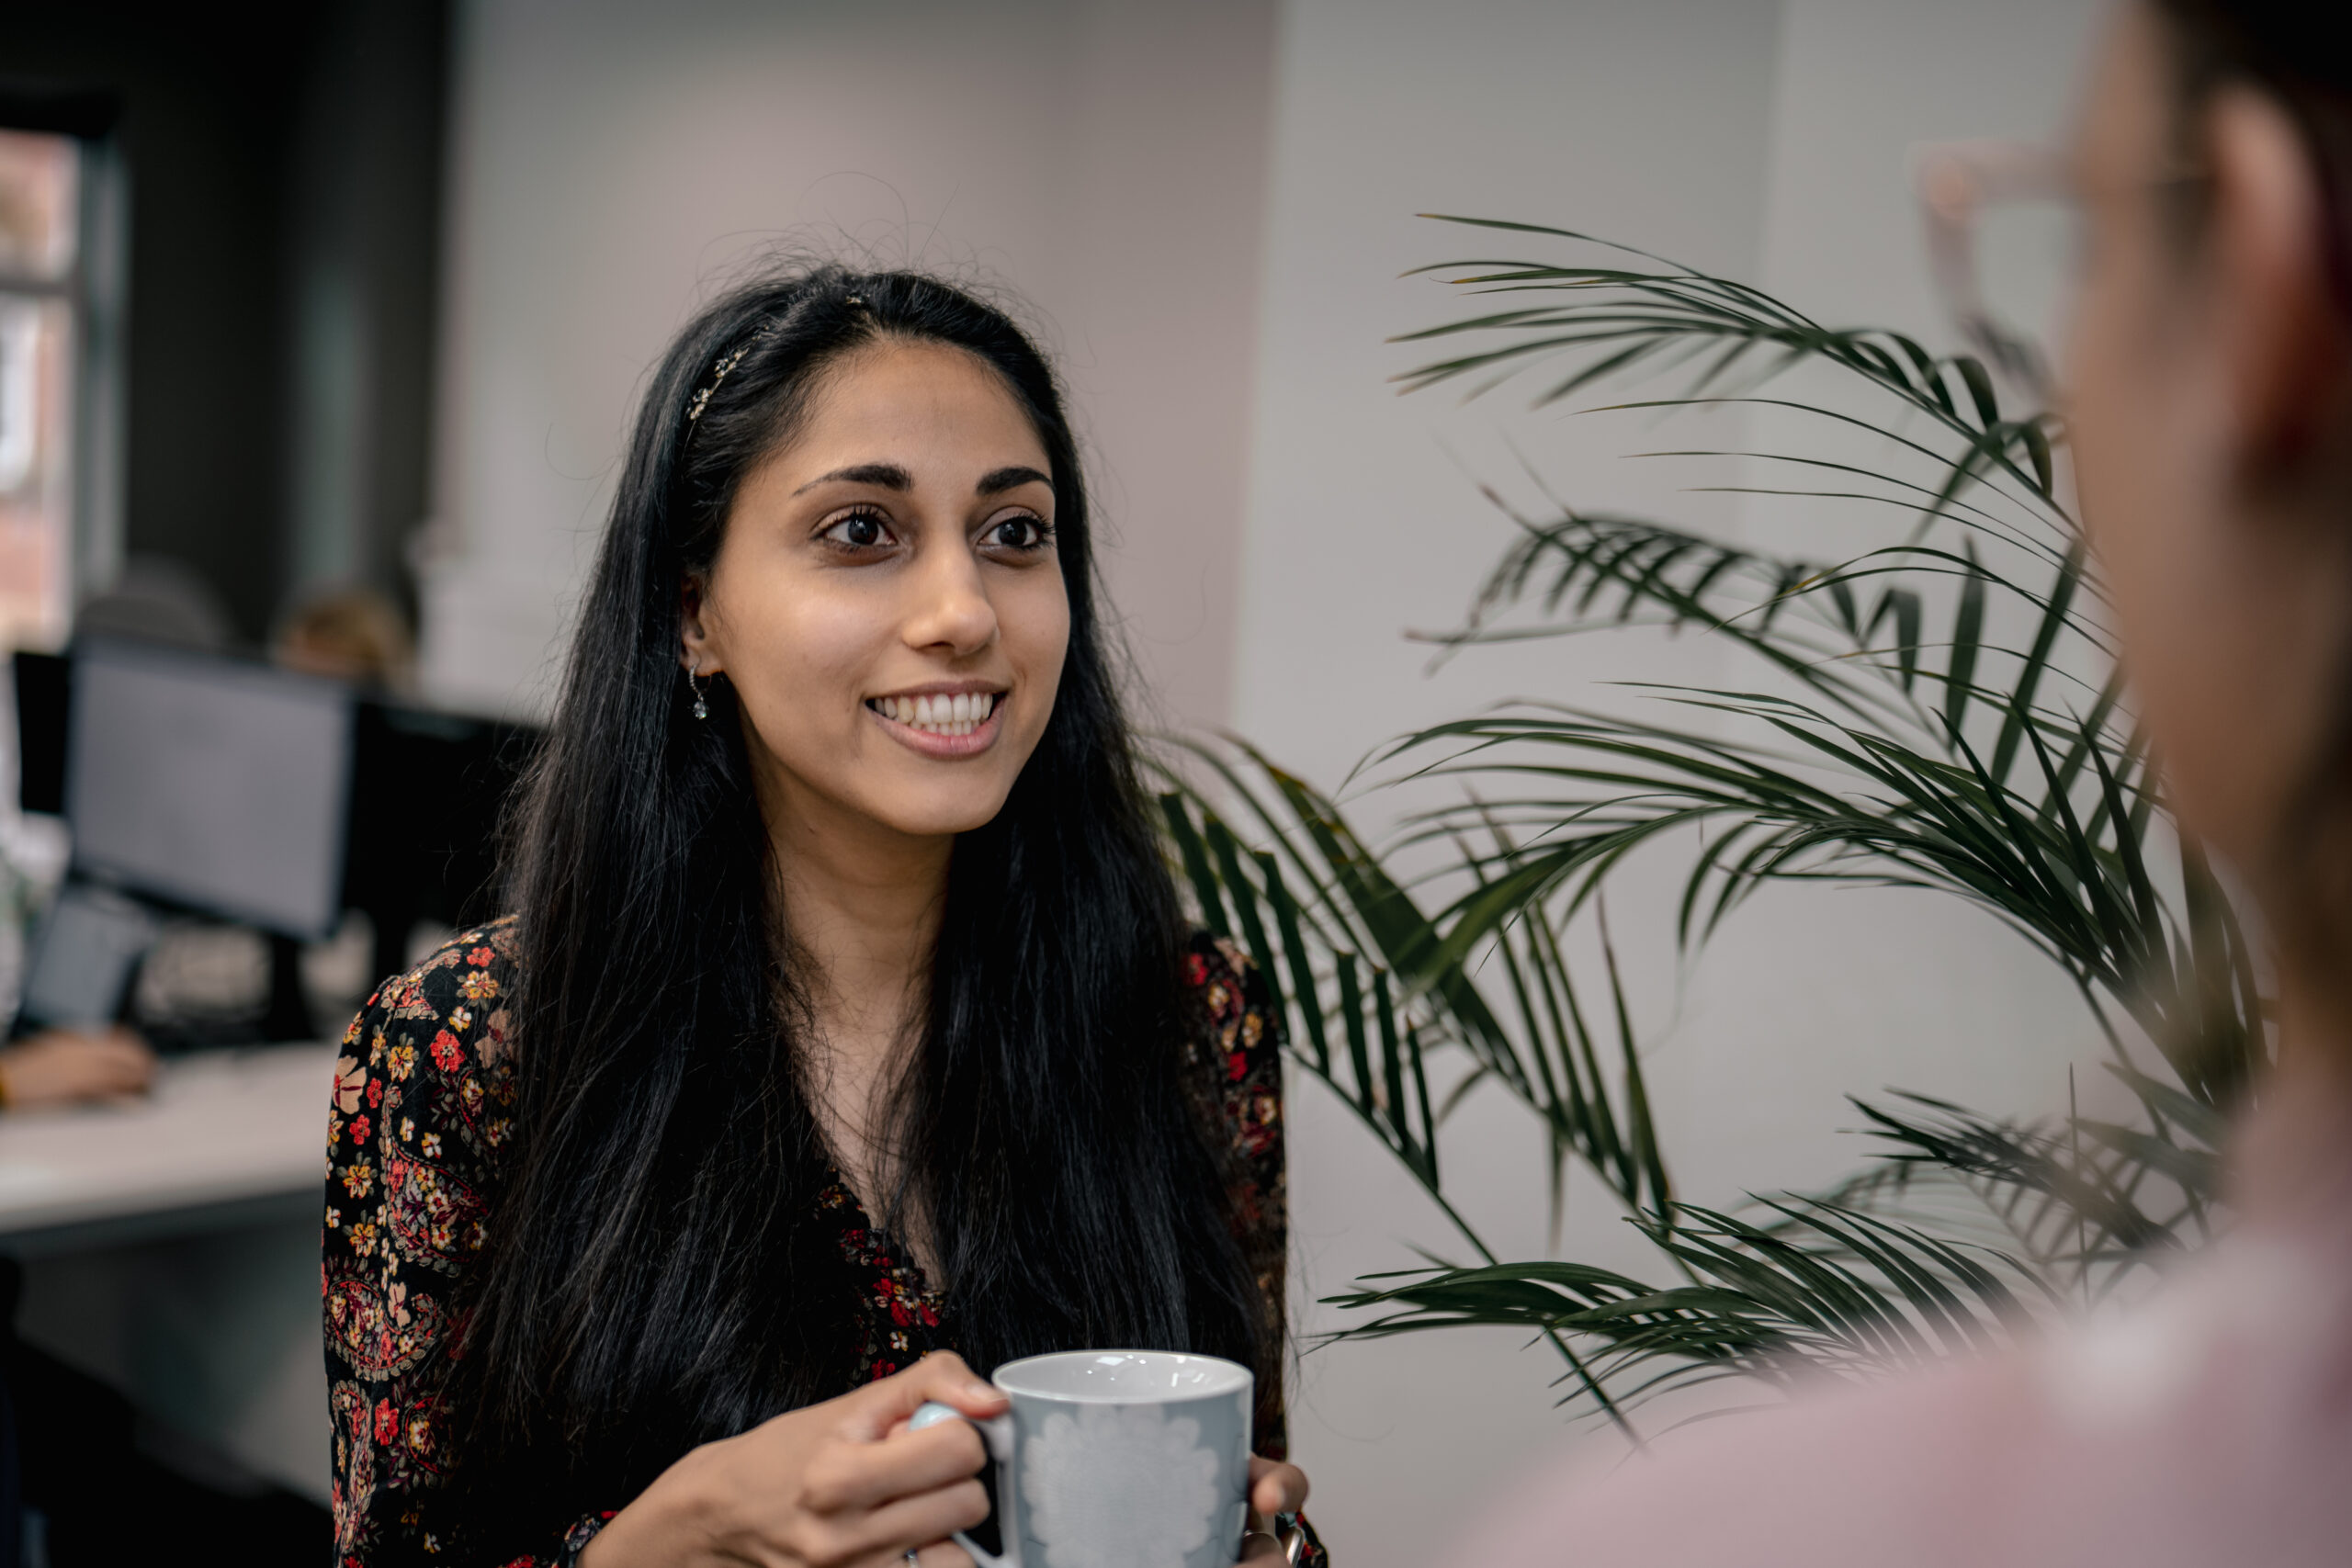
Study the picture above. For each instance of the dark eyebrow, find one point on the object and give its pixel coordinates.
(1012, 477)
(887, 476)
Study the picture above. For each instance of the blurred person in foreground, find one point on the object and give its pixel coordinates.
(2210, 411)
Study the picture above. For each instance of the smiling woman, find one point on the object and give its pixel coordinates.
(846, 1022)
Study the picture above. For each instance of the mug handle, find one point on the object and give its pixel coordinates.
(997, 1431)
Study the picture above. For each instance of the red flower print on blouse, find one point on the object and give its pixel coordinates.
(446, 1053)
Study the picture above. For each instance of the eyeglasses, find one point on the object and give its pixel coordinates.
(2005, 238)
(2003, 222)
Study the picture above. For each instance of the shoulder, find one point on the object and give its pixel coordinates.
(472, 973)
(434, 1043)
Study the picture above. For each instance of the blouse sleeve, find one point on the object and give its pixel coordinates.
(1244, 1038)
(1245, 1032)
(423, 1106)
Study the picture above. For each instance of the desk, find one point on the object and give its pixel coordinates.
(171, 1247)
(224, 1135)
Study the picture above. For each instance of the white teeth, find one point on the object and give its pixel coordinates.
(943, 715)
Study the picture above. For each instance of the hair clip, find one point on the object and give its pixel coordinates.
(856, 302)
(719, 374)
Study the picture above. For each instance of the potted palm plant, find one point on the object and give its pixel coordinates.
(1937, 711)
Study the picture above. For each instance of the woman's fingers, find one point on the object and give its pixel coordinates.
(875, 1409)
(1275, 1488)
(853, 1475)
(929, 1518)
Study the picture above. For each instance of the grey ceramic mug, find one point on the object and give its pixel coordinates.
(1117, 1459)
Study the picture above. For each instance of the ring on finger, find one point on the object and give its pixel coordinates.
(1298, 1542)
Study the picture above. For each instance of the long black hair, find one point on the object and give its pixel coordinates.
(657, 1276)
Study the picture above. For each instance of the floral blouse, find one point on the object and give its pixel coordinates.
(423, 1110)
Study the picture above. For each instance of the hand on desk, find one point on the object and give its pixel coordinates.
(61, 1067)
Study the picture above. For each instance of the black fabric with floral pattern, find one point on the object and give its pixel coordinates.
(423, 1110)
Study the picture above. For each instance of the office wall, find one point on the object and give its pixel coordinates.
(613, 164)
(1764, 139)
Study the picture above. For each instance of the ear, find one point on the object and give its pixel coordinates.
(697, 656)
(2281, 334)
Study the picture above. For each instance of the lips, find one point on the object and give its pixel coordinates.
(944, 724)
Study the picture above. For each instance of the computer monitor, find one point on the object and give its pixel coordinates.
(210, 783)
(82, 958)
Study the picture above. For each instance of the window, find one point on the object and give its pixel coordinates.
(48, 416)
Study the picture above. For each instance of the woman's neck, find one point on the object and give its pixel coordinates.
(862, 903)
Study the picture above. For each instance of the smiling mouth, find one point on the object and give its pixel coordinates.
(943, 715)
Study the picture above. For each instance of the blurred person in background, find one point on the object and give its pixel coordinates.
(63, 1066)
(2210, 412)
(355, 635)
(847, 1022)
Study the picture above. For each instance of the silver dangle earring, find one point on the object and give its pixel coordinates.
(702, 708)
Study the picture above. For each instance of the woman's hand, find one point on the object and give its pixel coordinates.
(1274, 1488)
(840, 1484)
(59, 1066)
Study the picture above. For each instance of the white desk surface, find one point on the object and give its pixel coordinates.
(220, 1129)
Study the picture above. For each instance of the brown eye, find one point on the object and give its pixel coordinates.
(859, 531)
(1017, 533)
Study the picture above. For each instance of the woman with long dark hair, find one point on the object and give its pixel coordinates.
(846, 1022)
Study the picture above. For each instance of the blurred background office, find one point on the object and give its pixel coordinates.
(318, 328)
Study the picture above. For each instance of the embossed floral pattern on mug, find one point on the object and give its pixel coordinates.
(1084, 1475)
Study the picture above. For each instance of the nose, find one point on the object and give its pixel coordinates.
(951, 612)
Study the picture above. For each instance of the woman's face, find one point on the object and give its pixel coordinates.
(887, 600)
(2215, 537)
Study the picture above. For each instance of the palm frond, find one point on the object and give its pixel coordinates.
(1824, 1290)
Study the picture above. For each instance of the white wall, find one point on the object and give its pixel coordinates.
(613, 164)
(1768, 141)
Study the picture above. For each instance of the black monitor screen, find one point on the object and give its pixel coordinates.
(212, 782)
